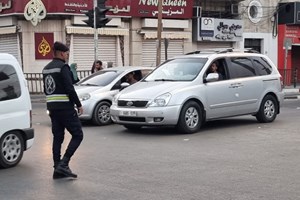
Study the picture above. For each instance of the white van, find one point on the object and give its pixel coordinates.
(16, 132)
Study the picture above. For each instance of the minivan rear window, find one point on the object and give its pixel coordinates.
(9, 83)
(262, 66)
(241, 67)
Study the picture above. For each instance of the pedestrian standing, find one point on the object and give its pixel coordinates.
(97, 66)
(61, 100)
(73, 68)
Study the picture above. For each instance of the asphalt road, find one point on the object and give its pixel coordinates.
(236, 159)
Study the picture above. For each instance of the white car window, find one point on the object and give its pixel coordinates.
(101, 78)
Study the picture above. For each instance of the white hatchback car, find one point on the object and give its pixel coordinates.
(184, 93)
(97, 90)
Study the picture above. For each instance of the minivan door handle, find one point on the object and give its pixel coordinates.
(236, 85)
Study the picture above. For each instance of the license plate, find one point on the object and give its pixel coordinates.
(128, 113)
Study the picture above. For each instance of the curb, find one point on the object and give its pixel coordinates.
(37, 98)
(292, 93)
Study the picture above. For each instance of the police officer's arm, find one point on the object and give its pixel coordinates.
(68, 85)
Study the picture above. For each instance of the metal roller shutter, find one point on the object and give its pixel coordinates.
(83, 50)
(211, 45)
(175, 48)
(9, 44)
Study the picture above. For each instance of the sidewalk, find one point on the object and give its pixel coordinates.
(38, 98)
(291, 92)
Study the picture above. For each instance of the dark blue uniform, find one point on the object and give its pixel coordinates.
(61, 100)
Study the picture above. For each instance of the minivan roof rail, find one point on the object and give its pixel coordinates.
(222, 50)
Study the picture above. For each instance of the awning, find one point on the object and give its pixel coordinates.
(101, 31)
(8, 30)
(169, 35)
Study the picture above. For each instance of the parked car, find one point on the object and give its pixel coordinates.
(16, 132)
(183, 93)
(97, 90)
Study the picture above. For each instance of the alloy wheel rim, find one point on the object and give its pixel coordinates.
(269, 109)
(191, 117)
(104, 113)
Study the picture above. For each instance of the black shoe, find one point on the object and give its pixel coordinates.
(65, 171)
(58, 175)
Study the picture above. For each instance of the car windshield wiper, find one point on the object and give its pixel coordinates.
(88, 84)
(164, 79)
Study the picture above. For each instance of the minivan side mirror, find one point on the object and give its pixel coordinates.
(211, 77)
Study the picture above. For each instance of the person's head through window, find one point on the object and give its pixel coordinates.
(213, 68)
(97, 66)
(130, 78)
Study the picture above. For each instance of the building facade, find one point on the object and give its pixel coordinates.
(29, 27)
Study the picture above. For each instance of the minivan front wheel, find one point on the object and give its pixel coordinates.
(11, 149)
(268, 109)
(190, 118)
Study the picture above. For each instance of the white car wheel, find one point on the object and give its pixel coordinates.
(11, 149)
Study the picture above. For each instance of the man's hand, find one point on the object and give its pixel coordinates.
(80, 111)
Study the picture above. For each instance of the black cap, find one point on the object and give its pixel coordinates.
(58, 46)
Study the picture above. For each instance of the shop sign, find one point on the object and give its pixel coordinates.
(214, 29)
(43, 48)
(178, 9)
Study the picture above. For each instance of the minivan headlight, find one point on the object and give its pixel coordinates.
(161, 100)
(84, 97)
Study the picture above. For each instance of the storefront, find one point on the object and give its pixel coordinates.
(288, 53)
(9, 42)
(128, 39)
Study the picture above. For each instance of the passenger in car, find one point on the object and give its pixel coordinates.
(130, 78)
(214, 69)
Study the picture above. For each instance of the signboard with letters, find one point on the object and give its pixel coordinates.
(177, 9)
(214, 29)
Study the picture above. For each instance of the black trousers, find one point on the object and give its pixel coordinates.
(61, 120)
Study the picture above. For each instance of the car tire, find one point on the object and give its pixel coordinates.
(268, 109)
(11, 149)
(101, 115)
(133, 127)
(190, 118)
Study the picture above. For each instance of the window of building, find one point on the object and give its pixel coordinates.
(254, 44)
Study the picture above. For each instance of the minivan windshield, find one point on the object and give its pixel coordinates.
(100, 78)
(180, 69)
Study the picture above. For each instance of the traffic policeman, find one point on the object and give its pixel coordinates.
(61, 101)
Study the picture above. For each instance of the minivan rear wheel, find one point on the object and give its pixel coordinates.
(268, 109)
(190, 118)
(11, 149)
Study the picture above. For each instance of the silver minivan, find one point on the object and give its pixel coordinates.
(184, 93)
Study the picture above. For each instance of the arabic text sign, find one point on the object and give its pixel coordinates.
(214, 29)
(179, 9)
(52, 6)
(171, 8)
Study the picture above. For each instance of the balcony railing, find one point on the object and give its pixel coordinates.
(35, 80)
